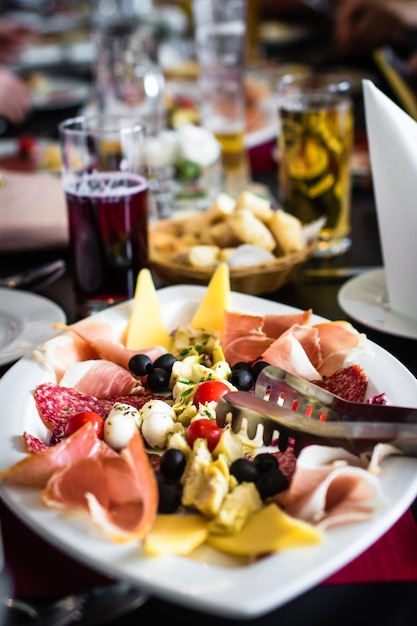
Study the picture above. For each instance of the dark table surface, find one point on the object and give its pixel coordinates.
(385, 603)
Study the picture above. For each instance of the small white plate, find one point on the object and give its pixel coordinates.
(26, 319)
(365, 299)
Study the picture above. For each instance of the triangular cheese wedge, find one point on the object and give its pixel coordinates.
(210, 312)
(269, 530)
(146, 327)
(174, 534)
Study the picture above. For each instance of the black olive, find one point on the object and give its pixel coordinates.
(244, 471)
(241, 365)
(169, 497)
(140, 364)
(266, 461)
(158, 379)
(242, 379)
(173, 463)
(271, 483)
(165, 362)
(257, 368)
(160, 478)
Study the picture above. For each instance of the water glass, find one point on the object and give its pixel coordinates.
(106, 188)
(315, 144)
(220, 43)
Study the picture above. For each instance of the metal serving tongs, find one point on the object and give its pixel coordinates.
(289, 407)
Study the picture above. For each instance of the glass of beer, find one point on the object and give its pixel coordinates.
(315, 145)
(221, 48)
(104, 179)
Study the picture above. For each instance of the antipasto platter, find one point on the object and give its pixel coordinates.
(218, 586)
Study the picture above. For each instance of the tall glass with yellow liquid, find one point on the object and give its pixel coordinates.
(315, 144)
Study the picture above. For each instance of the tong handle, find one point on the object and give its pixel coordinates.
(293, 392)
(283, 424)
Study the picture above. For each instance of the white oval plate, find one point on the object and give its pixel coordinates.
(26, 320)
(213, 587)
(365, 299)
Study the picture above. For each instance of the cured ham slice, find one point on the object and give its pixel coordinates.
(36, 469)
(246, 335)
(102, 379)
(275, 325)
(86, 340)
(237, 324)
(297, 350)
(247, 349)
(110, 350)
(338, 342)
(331, 487)
(58, 353)
(119, 492)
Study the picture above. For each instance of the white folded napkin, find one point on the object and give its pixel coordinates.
(392, 138)
(33, 212)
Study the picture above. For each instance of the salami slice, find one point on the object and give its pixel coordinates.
(33, 444)
(349, 383)
(57, 404)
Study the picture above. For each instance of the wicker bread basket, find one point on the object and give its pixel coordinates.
(254, 279)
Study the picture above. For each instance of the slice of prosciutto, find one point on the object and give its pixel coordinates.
(246, 335)
(120, 492)
(330, 487)
(297, 350)
(102, 379)
(36, 469)
(85, 340)
(339, 342)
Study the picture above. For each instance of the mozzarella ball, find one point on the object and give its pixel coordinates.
(118, 431)
(120, 425)
(158, 422)
(127, 410)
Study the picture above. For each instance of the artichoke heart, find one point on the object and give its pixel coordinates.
(205, 482)
(236, 509)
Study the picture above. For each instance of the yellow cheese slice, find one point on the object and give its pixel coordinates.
(174, 534)
(146, 327)
(210, 312)
(270, 530)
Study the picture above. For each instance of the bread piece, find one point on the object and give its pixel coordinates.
(260, 207)
(198, 256)
(287, 231)
(221, 208)
(249, 229)
(223, 235)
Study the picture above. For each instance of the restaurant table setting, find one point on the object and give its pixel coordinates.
(360, 571)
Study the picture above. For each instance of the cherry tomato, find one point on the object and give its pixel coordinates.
(210, 390)
(204, 428)
(80, 419)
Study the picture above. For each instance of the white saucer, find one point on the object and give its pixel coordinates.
(365, 299)
(26, 320)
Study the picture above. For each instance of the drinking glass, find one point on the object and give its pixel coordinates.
(315, 144)
(104, 179)
(220, 43)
